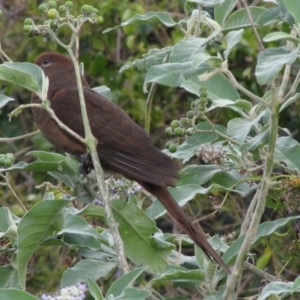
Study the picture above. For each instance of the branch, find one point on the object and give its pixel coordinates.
(261, 193)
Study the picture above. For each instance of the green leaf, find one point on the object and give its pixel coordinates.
(104, 91)
(276, 288)
(87, 268)
(78, 232)
(133, 294)
(34, 227)
(196, 141)
(239, 128)
(136, 230)
(260, 139)
(270, 16)
(198, 174)
(185, 50)
(293, 8)
(239, 19)
(94, 289)
(93, 210)
(287, 150)
(6, 220)
(169, 74)
(4, 100)
(152, 58)
(237, 106)
(271, 61)
(148, 18)
(232, 38)
(127, 280)
(26, 75)
(182, 194)
(179, 275)
(264, 230)
(277, 36)
(289, 101)
(296, 285)
(223, 10)
(9, 277)
(206, 3)
(218, 87)
(10, 294)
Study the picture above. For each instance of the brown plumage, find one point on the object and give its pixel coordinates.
(123, 146)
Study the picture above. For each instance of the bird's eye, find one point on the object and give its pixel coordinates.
(46, 61)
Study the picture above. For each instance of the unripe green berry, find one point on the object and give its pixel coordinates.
(9, 156)
(179, 132)
(184, 121)
(173, 148)
(43, 8)
(175, 124)
(69, 5)
(168, 144)
(1, 12)
(95, 11)
(100, 20)
(203, 94)
(193, 104)
(190, 114)
(86, 9)
(27, 29)
(53, 25)
(201, 107)
(52, 4)
(52, 13)
(203, 100)
(169, 131)
(28, 21)
(7, 163)
(190, 131)
(62, 9)
(203, 89)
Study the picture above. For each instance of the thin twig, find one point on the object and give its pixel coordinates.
(149, 106)
(20, 137)
(261, 46)
(243, 90)
(262, 197)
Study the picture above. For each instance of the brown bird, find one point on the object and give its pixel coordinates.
(123, 146)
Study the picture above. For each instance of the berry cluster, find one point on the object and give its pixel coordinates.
(58, 16)
(6, 160)
(186, 126)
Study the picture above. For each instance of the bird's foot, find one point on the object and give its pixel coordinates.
(86, 164)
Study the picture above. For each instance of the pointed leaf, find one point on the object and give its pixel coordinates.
(232, 38)
(94, 289)
(264, 230)
(148, 18)
(287, 150)
(293, 8)
(127, 280)
(223, 10)
(26, 75)
(271, 61)
(277, 36)
(34, 227)
(239, 19)
(10, 294)
(4, 100)
(136, 230)
(87, 268)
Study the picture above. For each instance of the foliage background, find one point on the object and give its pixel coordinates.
(103, 55)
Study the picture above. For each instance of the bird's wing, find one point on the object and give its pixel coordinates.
(122, 145)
